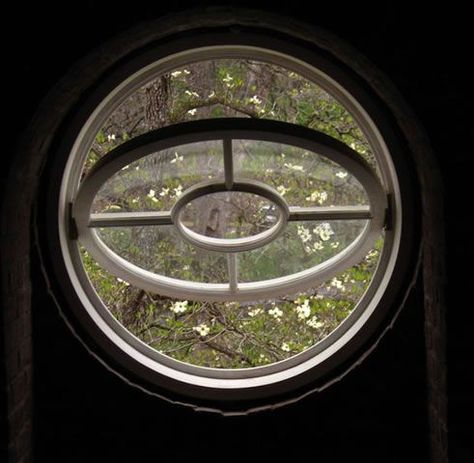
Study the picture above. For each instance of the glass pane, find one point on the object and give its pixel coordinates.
(161, 250)
(303, 245)
(154, 182)
(230, 214)
(302, 177)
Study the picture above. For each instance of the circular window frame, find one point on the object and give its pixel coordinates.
(266, 385)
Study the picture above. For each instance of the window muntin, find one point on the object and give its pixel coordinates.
(354, 318)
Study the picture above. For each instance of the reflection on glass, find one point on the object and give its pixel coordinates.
(154, 182)
(302, 177)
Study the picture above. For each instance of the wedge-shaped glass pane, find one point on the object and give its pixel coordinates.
(163, 251)
(154, 182)
(303, 245)
(302, 177)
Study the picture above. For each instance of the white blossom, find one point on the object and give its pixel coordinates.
(176, 73)
(282, 190)
(317, 196)
(303, 233)
(177, 157)
(335, 245)
(255, 100)
(254, 312)
(164, 191)
(341, 174)
(337, 284)
(291, 166)
(228, 80)
(151, 195)
(276, 312)
(316, 246)
(324, 231)
(193, 94)
(202, 329)
(192, 112)
(285, 347)
(303, 310)
(111, 137)
(313, 322)
(178, 191)
(179, 306)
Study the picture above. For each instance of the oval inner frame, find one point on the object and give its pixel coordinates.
(230, 244)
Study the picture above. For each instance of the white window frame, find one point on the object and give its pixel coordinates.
(208, 383)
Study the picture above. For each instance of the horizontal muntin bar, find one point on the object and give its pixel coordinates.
(329, 213)
(130, 219)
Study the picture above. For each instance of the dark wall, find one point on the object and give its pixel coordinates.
(378, 413)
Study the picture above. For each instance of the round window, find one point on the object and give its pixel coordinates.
(226, 214)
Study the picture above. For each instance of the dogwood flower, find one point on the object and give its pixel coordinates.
(179, 306)
(285, 347)
(177, 157)
(324, 231)
(202, 329)
(313, 322)
(276, 312)
(291, 166)
(303, 233)
(282, 190)
(254, 312)
(151, 195)
(303, 310)
(255, 100)
(317, 196)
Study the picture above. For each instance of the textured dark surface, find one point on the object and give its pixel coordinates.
(380, 411)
